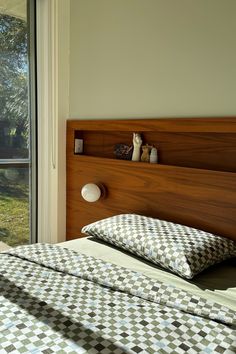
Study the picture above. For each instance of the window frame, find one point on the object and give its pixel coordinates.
(53, 110)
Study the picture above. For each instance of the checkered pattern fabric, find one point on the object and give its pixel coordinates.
(54, 300)
(181, 249)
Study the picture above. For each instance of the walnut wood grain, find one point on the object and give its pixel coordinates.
(199, 191)
(194, 197)
(200, 125)
(208, 143)
(216, 151)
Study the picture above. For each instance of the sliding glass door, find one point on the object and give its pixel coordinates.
(17, 123)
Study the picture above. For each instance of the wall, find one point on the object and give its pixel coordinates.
(152, 58)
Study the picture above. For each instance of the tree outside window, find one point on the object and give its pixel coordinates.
(14, 115)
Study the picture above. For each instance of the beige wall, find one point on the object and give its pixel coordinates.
(152, 58)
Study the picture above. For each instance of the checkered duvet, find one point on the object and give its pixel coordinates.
(55, 300)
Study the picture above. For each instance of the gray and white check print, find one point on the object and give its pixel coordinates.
(181, 249)
(55, 300)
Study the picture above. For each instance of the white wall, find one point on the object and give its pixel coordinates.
(152, 58)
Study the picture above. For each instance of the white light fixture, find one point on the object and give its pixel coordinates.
(91, 192)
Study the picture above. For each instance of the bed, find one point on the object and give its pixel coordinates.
(100, 291)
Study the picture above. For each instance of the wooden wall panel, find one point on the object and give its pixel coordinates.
(194, 197)
(216, 151)
(174, 125)
(195, 184)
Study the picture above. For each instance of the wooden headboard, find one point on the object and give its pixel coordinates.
(194, 182)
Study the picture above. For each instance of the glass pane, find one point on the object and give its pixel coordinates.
(14, 206)
(14, 100)
(16, 86)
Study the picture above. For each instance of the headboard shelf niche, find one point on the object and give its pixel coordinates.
(194, 183)
(196, 145)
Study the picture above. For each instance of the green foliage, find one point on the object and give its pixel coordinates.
(13, 37)
(14, 75)
(14, 211)
(14, 195)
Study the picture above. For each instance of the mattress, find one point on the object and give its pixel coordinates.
(217, 283)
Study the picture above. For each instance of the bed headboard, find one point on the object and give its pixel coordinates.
(194, 182)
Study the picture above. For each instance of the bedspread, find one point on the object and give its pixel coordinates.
(55, 300)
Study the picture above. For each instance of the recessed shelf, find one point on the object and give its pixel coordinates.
(206, 149)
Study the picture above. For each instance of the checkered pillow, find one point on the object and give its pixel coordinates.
(181, 249)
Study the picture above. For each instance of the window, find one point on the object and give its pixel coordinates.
(17, 123)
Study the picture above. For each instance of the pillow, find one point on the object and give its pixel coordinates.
(181, 249)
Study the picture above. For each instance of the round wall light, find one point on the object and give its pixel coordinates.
(91, 192)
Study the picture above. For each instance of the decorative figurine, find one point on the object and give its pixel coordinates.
(137, 142)
(153, 155)
(123, 151)
(145, 154)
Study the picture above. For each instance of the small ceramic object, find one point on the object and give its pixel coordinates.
(145, 157)
(137, 142)
(153, 155)
(123, 151)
